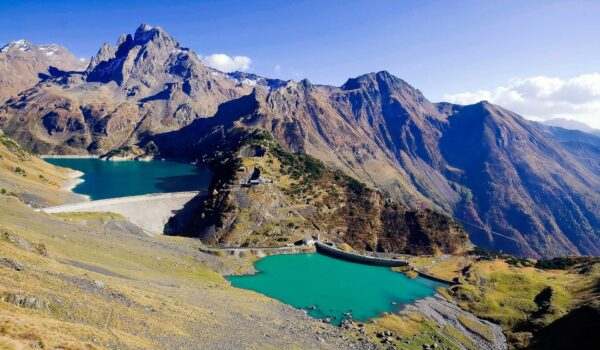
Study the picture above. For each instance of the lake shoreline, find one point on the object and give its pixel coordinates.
(60, 156)
(74, 178)
(351, 291)
(118, 158)
(120, 178)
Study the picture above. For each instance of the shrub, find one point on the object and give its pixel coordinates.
(20, 171)
(561, 263)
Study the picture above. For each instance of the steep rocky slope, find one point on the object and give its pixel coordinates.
(522, 184)
(23, 65)
(262, 194)
(147, 83)
(486, 165)
(516, 187)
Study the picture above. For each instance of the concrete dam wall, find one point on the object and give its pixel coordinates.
(362, 259)
(151, 212)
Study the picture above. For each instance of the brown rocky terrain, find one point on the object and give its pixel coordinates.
(516, 187)
(487, 166)
(145, 84)
(23, 65)
(294, 195)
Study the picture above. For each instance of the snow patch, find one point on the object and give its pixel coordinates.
(249, 82)
(21, 44)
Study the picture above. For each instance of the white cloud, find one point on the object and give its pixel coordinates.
(227, 63)
(277, 69)
(544, 98)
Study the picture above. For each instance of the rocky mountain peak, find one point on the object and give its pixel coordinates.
(20, 44)
(143, 56)
(53, 52)
(22, 63)
(372, 78)
(383, 83)
(146, 33)
(250, 79)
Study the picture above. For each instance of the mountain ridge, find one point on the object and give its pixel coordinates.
(481, 163)
(23, 64)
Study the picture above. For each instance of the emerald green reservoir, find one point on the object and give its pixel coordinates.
(328, 287)
(110, 179)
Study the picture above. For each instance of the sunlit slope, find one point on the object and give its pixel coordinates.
(29, 178)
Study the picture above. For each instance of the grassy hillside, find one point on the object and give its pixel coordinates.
(95, 281)
(91, 282)
(525, 300)
(29, 178)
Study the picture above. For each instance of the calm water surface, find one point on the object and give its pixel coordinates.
(110, 179)
(333, 287)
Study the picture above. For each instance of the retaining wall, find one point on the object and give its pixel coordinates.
(260, 251)
(362, 259)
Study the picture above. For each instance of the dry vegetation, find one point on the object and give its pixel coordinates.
(92, 281)
(25, 176)
(299, 195)
(522, 299)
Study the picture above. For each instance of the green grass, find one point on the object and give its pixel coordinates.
(477, 327)
(460, 337)
(506, 295)
(15, 148)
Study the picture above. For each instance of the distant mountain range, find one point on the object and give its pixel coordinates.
(571, 124)
(516, 185)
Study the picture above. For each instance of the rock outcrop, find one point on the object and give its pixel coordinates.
(264, 195)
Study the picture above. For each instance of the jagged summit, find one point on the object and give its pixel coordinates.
(20, 44)
(146, 32)
(373, 78)
(142, 57)
(384, 83)
(481, 163)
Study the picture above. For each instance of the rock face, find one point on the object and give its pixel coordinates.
(483, 164)
(516, 185)
(147, 83)
(23, 65)
(263, 195)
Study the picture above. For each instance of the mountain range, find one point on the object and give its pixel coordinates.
(571, 124)
(516, 185)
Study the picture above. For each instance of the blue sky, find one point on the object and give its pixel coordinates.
(440, 47)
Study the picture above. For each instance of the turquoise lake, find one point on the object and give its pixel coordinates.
(109, 179)
(328, 287)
